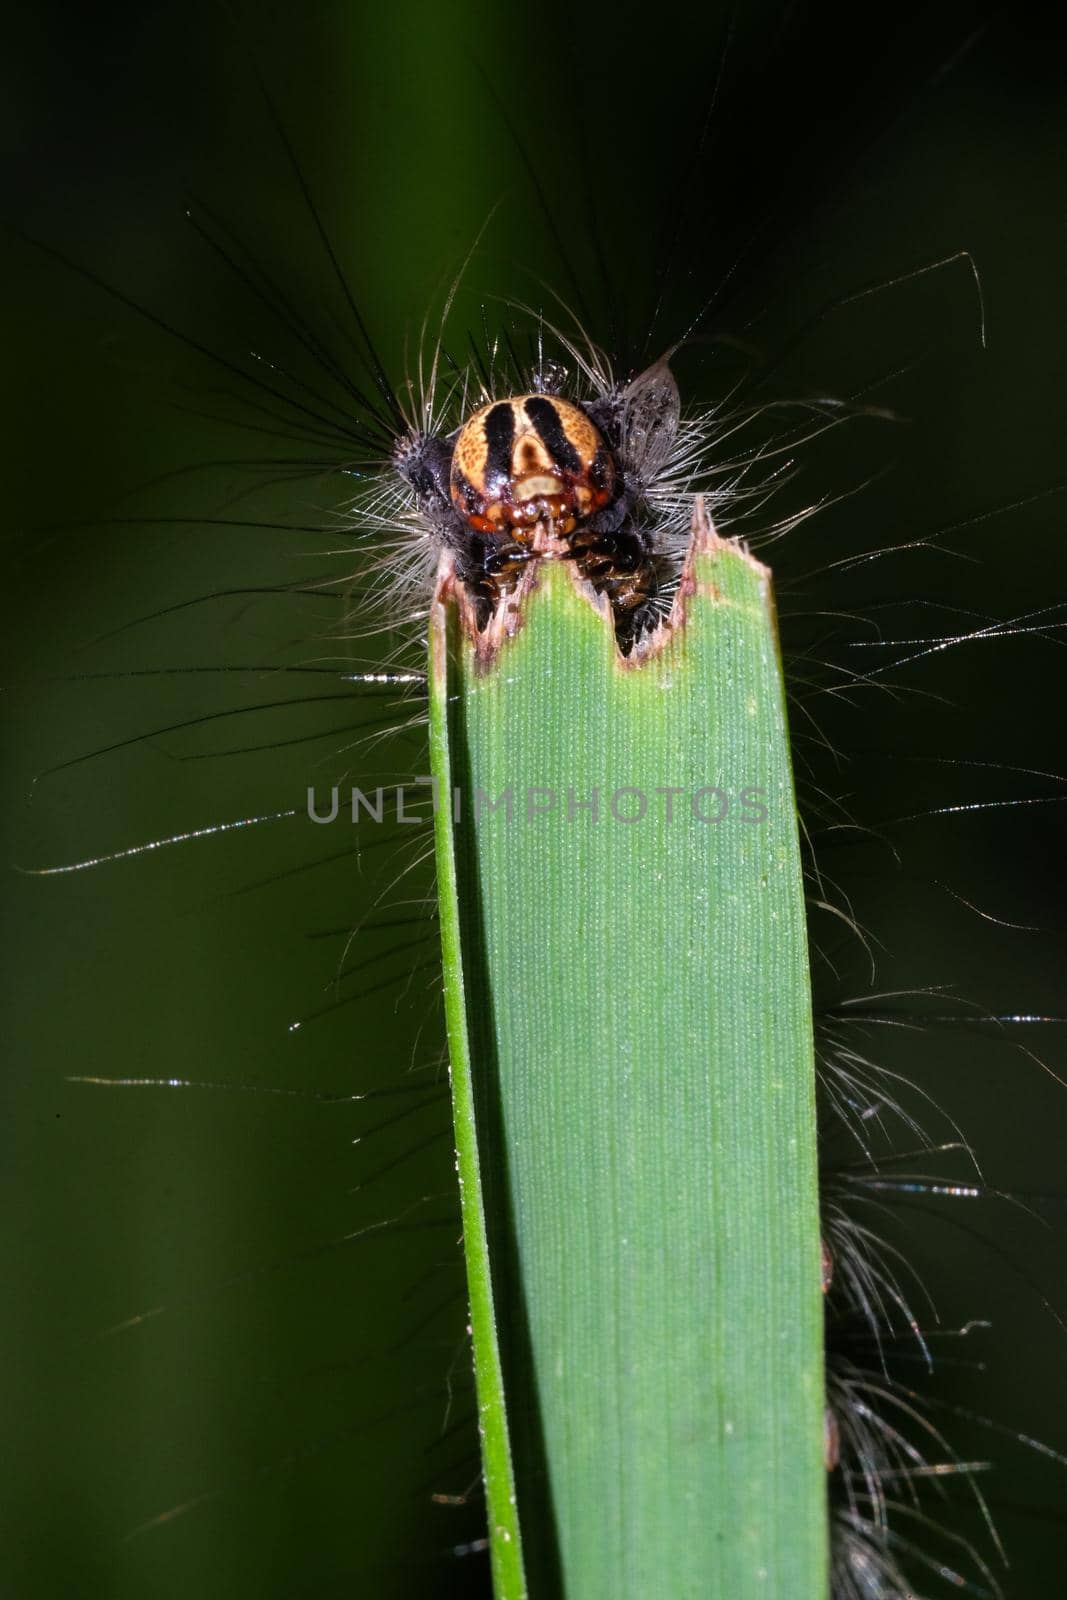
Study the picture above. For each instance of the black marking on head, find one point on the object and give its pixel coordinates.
(546, 419)
(499, 437)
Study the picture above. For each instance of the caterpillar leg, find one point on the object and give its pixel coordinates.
(620, 565)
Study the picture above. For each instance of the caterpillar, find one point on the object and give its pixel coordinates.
(867, 1560)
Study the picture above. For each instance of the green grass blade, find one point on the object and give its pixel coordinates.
(504, 1543)
(637, 1000)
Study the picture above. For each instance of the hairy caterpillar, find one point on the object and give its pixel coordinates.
(215, 964)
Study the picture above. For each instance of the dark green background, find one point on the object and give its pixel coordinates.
(296, 1381)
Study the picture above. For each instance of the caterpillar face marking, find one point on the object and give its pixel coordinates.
(585, 472)
(527, 460)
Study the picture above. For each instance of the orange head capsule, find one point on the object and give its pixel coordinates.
(534, 458)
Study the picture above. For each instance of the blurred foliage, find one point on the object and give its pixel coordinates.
(307, 1389)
